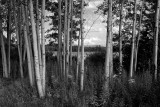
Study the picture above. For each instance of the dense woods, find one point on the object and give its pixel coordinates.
(124, 73)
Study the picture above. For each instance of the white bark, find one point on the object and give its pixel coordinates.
(4, 61)
(155, 54)
(27, 46)
(35, 48)
(133, 40)
(43, 47)
(82, 48)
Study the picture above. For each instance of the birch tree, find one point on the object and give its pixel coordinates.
(28, 48)
(82, 47)
(29, 39)
(108, 46)
(38, 36)
(78, 51)
(60, 39)
(17, 36)
(35, 48)
(156, 31)
(43, 47)
(9, 37)
(120, 37)
(133, 40)
(71, 35)
(138, 36)
(4, 60)
(65, 38)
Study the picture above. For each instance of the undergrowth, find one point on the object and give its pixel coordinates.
(142, 93)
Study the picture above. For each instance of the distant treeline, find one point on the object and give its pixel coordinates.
(74, 48)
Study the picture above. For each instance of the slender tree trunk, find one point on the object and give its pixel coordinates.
(38, 37)
(65, 38)
(133, 40)
(156, 31)
(29, 40)
(43, 47)
(60, 39)
(111, 55)
(17, 35)
(108, 46)
(28, 49)
(82, 47)
(4, 61)
(78, 50)
(138, 38)
(35, 48)
(19, 40)
(71, 34)
(120, 38)
(24, 53)
(9, 36)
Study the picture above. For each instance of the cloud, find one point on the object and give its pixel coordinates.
(91, 41)
(92, 4)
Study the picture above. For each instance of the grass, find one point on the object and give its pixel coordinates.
(143, 93)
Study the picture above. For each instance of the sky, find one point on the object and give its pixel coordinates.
(95, 30)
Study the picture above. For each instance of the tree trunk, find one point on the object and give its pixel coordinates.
(43, 47)
(108, 47)
(78, 50)
(120, 38)
(82, 47)
(138, 37)
(17, 35)
(156, 31)
(71, 34)
(29, 40)
(35, 48)
(9, 37)
(133, 41)
(65, 38)
(4, 61)
(28, 49)
(60, 39)
(38, 37)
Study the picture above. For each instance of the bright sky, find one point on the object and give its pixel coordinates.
(97, 32)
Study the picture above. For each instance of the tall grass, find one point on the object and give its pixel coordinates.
(143, 93)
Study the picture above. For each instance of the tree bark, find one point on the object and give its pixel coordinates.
(29, 39)
(133, 41)
(78, 51)
(17, 35)
(28, 49)
(65, 38)
(82, 48)
(4, 61)
(9, 37)
(38, 37)
(156, 31)
(138, 37)
(43, 47)
(35, 48)
(60, 39)
(120, 38)
(71, 35)
(108, 47)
